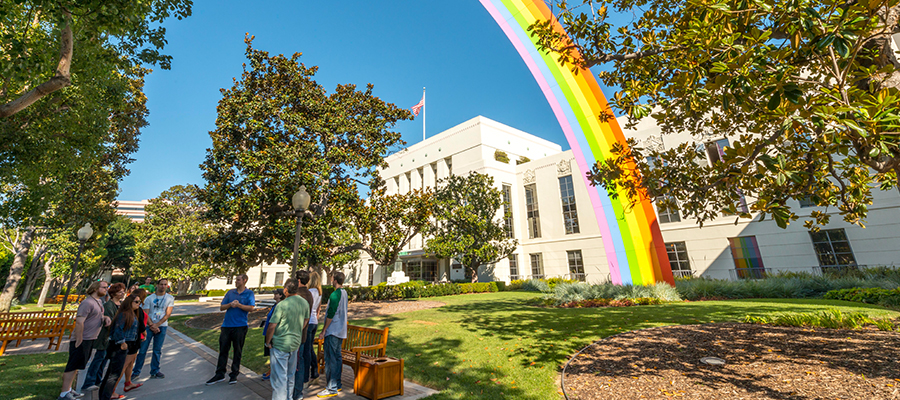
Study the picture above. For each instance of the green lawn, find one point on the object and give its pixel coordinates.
(31, 377)
(46, 307)
(497, 345)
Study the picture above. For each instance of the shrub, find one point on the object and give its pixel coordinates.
(535, 285)
(216, 292)
(880, 296)
(501, 286)
(793, 285)
(833, 319)
(515, 285)
(501, 156)
(565, 293)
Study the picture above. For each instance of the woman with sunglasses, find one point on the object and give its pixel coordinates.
(122, 341)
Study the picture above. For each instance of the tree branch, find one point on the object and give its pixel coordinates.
(62, 78)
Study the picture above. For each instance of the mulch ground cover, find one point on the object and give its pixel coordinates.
(356, 310)
(762, 362)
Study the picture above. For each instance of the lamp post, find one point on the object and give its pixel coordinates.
(84, 234)
(300, 202)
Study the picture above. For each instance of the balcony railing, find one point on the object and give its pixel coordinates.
(684, 273)
(576, 277)
(839, 270)
(516, 277)
(748, 273)
(541, 276)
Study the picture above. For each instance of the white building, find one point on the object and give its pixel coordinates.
(558, 232)
(133, 210)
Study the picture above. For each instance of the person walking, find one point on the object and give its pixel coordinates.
(124, 340)
(88, 320)
(278, 296)
(302, 277)
(311, 371)
(284, 336)
(333, 335)
(94, 374)
(237, 304)
(158, 307)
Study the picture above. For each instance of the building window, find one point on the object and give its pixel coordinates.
(570, 214)
(422, 178)
(421, 270)
(371, 274)
(667, 209)
(678, 260)
(832, 248)
(507, 211)
(576, 265)
(806, 202)
(408, 182)
(449, 162)
(279, 278)
(262, 278)
(397, 184)
(537, 266)
(748, 262)
(230, 280)
(716, 152)
(514, 267)
(434, 174)
(532, 215)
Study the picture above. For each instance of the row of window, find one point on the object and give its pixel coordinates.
(532, 212)
(576, 265)
(832, 250)
(420, 173)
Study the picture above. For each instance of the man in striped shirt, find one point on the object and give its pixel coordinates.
(333, 335)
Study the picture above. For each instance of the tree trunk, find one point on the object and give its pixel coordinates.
(15, 271)
(34, 272)
(48, 280)
(474, 273)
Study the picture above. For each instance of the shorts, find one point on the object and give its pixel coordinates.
(133, 347)
(79, 356)
(266, 350)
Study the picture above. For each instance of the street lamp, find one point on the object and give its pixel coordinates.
(84, 234)
(300, 202)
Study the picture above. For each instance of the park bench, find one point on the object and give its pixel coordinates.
(70, 315)
(361, 345)
(72, 298)
(33, 328)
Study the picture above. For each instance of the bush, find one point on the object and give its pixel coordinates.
(501, 286)
(565, 293)
(515, 285)
(880, 296)
(833, 319)
(216, 292)
(793, 285)
(536, 285)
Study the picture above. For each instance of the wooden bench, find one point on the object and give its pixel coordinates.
(362, 344)
(72, 298)
(33, 328)
(70, 324)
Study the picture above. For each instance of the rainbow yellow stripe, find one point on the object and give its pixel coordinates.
(634, 245)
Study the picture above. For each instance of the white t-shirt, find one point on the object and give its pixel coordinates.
(156, 306)
(314, 311)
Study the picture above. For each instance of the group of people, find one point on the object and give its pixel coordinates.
(289, 331)
(113, 330)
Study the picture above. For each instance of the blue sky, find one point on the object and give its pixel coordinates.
(453, 48)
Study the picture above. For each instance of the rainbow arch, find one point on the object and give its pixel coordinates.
(631, 237)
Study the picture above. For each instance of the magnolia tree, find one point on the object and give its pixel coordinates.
(469, 226)
(278, 129)
(805, 91)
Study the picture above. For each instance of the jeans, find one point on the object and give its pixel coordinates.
(283, 365)
(298, 373)
(158, 340)
(333, 362)
(311, 367)
(231, 337)
(94, 373)
(116, 365)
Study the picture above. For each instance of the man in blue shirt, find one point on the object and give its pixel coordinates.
(238, 302)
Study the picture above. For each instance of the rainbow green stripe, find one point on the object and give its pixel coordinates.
(634, 246)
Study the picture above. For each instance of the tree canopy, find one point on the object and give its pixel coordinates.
(468, 225)
(278, 129)
(805, 92)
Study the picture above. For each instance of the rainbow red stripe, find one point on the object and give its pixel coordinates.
(634, 245)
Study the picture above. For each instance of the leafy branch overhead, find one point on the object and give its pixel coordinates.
(805, 92)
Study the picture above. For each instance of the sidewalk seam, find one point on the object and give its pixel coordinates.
(212, 357)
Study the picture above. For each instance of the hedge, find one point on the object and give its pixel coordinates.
(412, 290)
(883, 297)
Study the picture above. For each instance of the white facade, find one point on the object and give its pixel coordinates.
(560, 251)
(266, 275)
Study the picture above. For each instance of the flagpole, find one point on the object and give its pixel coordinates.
(423, 114)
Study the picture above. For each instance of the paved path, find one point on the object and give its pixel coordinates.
(196, 307)
(187, 365)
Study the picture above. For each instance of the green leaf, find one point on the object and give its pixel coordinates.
(774, 102)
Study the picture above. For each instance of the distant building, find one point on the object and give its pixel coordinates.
(131, 209)
(559, 235)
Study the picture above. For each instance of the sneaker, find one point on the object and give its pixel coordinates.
(265, 376)
(327, 393)
(90, 388)
(216, 379)
(232, 380)
(76, 394)
(67, 396)
(159, 375)
(134, 377)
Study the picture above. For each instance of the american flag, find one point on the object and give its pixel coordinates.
(418, 107)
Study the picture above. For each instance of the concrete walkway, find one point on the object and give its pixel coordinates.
(187, 365)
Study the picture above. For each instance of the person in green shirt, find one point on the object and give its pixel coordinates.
(148, 285)
(284, 335)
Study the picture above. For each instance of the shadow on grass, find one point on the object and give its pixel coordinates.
(32, 376)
